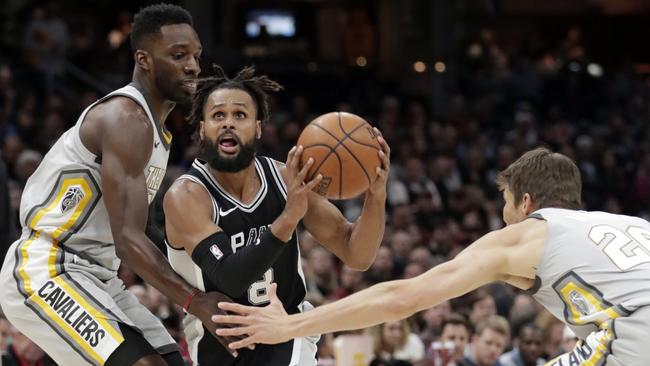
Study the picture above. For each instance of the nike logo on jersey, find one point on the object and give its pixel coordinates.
(155, 144)
(224, 213)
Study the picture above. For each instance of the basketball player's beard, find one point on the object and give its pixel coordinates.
(210, 153)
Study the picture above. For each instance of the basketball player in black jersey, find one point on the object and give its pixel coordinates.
(231, 220)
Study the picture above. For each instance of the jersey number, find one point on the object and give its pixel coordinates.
(625, 249)
(258, 293)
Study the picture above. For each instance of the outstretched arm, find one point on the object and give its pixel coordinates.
(490, 258)
(355, 243)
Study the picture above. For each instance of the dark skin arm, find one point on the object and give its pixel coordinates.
(355, 244)
(119, 131)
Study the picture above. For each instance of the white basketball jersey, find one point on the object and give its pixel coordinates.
(595, 267)
(63, 198)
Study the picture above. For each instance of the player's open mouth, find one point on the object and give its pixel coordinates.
(228, 144)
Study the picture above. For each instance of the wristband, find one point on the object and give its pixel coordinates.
(188, 300)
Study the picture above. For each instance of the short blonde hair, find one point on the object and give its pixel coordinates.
(496, 323)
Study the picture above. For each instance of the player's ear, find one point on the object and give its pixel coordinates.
(527, 204)
(258, 129)
(142, 59)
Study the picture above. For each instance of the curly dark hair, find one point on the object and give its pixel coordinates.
(148, 20)
(257, 86)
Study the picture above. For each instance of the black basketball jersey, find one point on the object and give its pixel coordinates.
(244, 223)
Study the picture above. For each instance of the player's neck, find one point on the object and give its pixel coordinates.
(242, 185)
(159, 106)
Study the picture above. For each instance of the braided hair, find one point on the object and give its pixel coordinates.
(257, 86)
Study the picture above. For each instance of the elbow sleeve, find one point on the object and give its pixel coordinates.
(233, 272)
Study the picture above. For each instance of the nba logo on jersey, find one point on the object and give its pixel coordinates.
(216, 252)
(71, 198)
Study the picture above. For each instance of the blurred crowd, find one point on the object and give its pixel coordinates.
(501, 101)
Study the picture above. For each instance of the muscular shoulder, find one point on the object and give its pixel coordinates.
(118, 122)
(187, 198)
(121, 113)
(525, 252)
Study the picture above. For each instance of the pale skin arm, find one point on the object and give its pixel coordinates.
(508, 253)
(355, 243)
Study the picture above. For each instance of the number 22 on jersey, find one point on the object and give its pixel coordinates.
(626, 249)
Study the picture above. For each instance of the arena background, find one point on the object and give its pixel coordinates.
(459, 89)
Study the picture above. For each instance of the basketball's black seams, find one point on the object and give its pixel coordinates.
(340, 142)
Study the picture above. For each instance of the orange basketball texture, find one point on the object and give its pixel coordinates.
(344, 148)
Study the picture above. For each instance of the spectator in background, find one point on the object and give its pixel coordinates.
(46, 42)
(394, 341)
(402, 244)
(322, 278)
(7, 231)
(529, 346)
(524, 309)
(351, 281)
(482, 306)
(26, 164)
(5, 336)
(433, 318)
(457, 330)
(23, 352)
(7, 96)
(488, 343)
(383, 268)
(569, 340)
(553, 334)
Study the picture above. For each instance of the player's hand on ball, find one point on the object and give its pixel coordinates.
(297, 189)
(266, 325)
(378, 187)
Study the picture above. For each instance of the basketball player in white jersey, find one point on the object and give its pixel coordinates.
(85, 208)
(590, 269)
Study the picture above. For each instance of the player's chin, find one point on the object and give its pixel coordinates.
(183, 96)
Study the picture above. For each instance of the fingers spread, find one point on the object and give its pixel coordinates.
(313, 183)
(232, 332)
(243, 343)
(303, 172)
(236, 308)
(231, 319)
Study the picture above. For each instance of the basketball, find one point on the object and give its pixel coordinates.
(344, 148)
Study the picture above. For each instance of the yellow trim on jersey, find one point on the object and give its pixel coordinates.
(67, 328)
(65, 185)
(43, 211)
(52, 271)
(25, 255)
(167, 135)
(98, 316)
(601, 350)
(88, 193)
(51, 261)
(578, 318)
